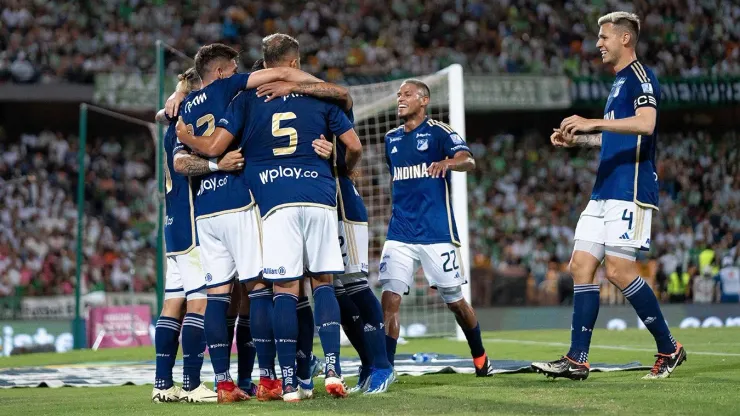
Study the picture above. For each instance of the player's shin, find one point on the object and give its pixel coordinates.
(642, 298)
(193, 344)
(585, 312)
(217, 334)
(304, 346)
(327, 318)
(465, 317)
(285, 327)
(353, 326)
(391, 303)
(372, 314)
(261, 311)
(165, 344)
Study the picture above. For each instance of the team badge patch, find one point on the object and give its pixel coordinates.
(456, 139)
(383, 267)
(647, 88)
(422, 144)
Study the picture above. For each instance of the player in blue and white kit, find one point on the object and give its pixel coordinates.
(227, 222)
(185, 277)
(362, 314)
(296, 195)
(422, 230)
(616, 221)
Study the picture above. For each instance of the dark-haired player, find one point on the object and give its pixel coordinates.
(422, 230)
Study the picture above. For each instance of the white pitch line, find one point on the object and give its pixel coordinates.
(604, 347)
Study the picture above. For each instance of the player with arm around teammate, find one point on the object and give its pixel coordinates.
(422, 230)
(361, 312)
(296, 195)
(185, 280)
(616, 222)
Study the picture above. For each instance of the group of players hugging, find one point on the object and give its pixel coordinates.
(261, 207)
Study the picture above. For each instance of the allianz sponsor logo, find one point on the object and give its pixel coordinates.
(410, 172)
(211, 184)
(270, 175)
(199, 99)
(269, 270)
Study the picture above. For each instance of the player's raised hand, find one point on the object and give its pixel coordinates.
(173, 103)
(181, 129)
(577, 124)
(275, 89)
(438, 169)
(559, 139)
(322, 147)
(232, 161)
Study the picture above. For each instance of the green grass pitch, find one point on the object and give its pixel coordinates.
(707, 384)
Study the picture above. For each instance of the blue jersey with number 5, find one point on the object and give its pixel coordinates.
(218, 192)
(276, 136)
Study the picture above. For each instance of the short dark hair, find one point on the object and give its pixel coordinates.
(424, 88)
(277, 46)
(210, 53)
(258, 64)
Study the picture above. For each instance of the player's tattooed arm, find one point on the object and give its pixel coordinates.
(322, 90)
(189, 164)
(263, 76)
(462, 162)
(561, 139)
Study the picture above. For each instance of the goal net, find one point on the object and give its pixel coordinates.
(423, 313)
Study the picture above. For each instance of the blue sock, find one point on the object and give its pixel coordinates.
(354, 327)
(285, 327)
(390, 346)
(165, 345)
(372, 314)
(217, 335)
(474, 341)
(193, 347)
(230, 329)
(260, 311)
(304, 346)
(327, 317)
(585, 311)
(245, 350)
(643, 299)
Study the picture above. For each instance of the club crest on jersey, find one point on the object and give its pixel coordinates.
(422, 144)
(618, 86)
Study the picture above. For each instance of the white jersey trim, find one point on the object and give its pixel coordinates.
(637, 172)
(192, 226)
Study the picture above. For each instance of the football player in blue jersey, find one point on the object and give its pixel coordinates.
(616, 222)
(296, 195)
(227, 222)
(185, 278)
(422, 230)
(361, 312)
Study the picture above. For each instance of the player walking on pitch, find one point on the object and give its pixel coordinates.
(616, 222)
(422, 230)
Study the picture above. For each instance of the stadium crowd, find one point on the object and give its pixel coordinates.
(38, 215)
(363, 40)
(525, 198)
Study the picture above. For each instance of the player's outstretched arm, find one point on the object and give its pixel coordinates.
(263, 76)
(354, 148)
(189, 164)
(642, 123)
(211, 146)
(462, 162)
(322, 90)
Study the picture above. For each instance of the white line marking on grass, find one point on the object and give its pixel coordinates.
(603, 347)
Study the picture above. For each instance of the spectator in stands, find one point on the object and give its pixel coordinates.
(362, 41)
